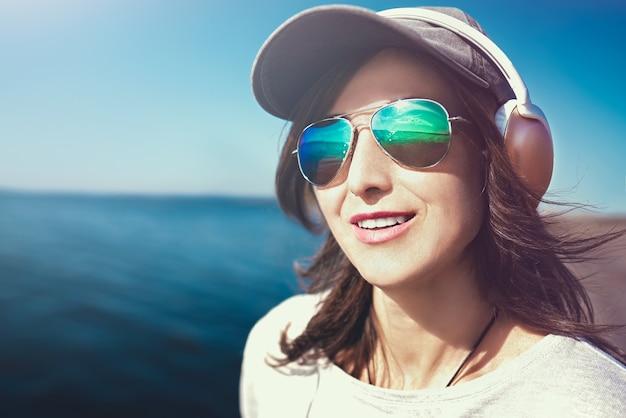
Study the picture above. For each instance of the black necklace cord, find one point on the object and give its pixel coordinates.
(474, 347)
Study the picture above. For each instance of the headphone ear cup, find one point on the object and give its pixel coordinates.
(528, 143)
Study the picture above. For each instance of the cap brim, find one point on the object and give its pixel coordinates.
(306, 46)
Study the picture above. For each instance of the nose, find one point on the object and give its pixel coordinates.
(369, 173)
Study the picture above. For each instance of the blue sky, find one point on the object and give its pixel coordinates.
(153, 96)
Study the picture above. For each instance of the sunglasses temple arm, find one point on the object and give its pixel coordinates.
(459, 119)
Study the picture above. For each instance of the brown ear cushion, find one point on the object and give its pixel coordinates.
(529, 145)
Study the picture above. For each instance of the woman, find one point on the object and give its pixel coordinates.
(439, 290)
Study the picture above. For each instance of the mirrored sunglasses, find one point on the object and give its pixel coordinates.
(415, 133)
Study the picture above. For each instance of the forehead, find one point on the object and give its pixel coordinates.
(391, 75)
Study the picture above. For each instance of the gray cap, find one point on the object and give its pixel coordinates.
(306, 46)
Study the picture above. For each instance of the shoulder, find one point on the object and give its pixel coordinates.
(268, 391)
(588, 381)
(291, 315)
(556, 358)
(557, 376)
(586, 362)
(574, 376)
(295, 309)
(588, 359)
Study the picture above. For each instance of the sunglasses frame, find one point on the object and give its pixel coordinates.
(354, 136)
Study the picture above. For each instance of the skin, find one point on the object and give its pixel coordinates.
(426, 301)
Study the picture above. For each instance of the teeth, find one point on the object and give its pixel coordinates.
(382, 222)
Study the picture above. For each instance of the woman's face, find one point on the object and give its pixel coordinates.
(439, 208)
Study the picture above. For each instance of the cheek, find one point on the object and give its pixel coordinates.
(456, 197)
(329, 202)
(464, 164)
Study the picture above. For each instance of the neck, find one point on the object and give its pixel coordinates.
(425, 334)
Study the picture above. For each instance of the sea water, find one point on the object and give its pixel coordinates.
(135, 306)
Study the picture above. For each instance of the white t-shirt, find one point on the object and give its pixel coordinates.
(557, 377)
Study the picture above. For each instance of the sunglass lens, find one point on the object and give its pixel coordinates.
(322, 149)
(416, 133)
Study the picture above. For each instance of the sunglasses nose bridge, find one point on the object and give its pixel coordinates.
(357, 129)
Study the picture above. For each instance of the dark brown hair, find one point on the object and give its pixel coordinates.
(522, 264)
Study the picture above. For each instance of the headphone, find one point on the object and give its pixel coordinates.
(523, 125)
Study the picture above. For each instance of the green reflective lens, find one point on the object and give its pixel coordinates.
(322, 148)
(415, 133)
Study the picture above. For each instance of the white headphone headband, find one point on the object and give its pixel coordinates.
(479, 40)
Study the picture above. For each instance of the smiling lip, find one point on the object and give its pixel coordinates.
(379, 227)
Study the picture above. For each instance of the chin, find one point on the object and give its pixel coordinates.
(392, 279)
